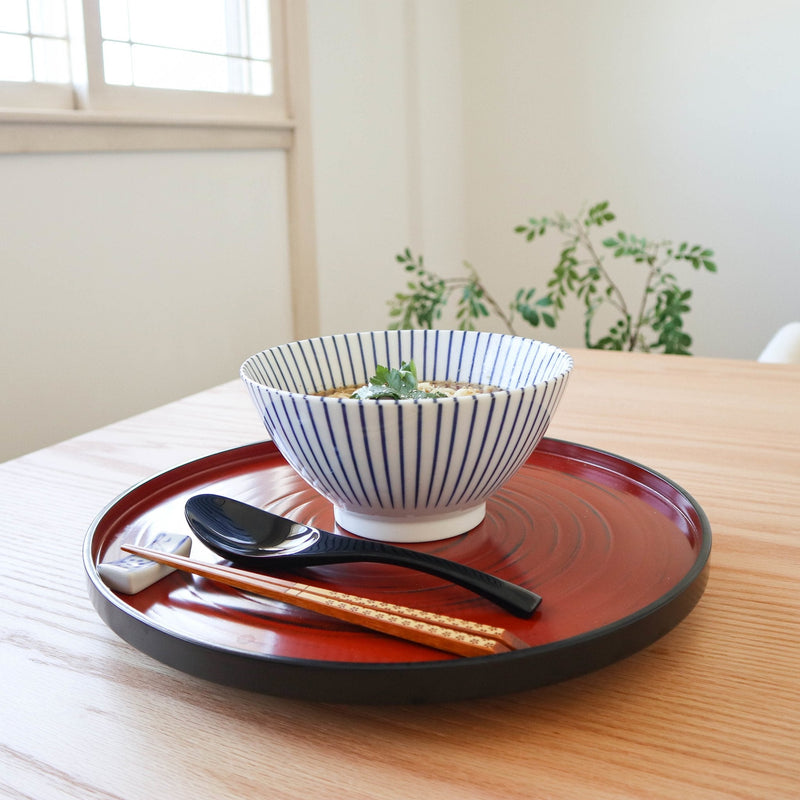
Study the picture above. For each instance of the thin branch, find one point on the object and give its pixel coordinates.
(655, 271)
(490, 300)
(620, 303)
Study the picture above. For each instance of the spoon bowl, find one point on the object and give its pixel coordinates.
(257, 539)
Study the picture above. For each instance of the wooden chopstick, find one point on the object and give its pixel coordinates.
(450, 634)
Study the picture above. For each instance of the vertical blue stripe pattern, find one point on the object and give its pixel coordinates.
(408, 457)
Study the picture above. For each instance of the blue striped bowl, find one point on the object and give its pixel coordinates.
(408, 470)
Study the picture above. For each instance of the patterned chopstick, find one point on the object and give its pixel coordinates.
(449, 634)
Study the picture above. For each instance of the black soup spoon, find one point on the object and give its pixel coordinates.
(254, 538)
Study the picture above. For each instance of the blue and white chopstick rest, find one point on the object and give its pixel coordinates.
(132, 574)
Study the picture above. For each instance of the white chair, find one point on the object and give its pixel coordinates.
(784, 346)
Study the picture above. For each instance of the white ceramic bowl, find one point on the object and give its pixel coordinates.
(408, 470)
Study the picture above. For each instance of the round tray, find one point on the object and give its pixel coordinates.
(618, 552)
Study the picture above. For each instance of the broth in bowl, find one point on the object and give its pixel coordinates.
(402, 384)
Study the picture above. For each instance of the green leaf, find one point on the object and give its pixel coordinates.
(396, 384)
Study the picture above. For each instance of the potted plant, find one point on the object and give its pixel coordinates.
(650, 322)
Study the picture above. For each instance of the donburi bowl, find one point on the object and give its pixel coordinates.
(408, 470)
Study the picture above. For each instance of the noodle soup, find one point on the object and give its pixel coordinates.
(430, 388)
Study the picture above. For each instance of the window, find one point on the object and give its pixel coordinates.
(225, 49)
(35, 66)
(205, 62)
(34, 44)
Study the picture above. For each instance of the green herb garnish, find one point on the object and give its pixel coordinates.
(394, 384)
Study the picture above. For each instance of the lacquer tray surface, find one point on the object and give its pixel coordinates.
(618, 552)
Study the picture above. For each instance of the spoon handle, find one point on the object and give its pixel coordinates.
(339, 549)
(260, 540)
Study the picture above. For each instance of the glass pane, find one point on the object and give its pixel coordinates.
(15, 58)
(13, 17)
(261, 73)
(164, 22)
(117, 64)
(258, 30)
(179, 69)
(51, 60)
(238, 76)
(169, 53)
(235, 30)
(48, 17)
(114, 20)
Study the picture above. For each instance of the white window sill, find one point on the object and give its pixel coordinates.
(28, 131)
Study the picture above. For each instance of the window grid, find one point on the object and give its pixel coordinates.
(129, 63)
(34, 42)
(230, 53)
(142, 46)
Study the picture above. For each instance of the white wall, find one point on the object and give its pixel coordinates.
(685, 115)
(443, 124)
(387, 139)
(132, 279)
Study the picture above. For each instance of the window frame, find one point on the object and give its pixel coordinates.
(90, 115)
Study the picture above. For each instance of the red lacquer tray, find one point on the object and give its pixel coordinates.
(618, 552)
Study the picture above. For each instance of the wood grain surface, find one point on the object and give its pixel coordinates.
(712, 710)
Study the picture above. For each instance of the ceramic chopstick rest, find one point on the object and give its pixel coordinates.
(133, 574)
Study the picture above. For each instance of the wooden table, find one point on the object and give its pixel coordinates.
(712, 710)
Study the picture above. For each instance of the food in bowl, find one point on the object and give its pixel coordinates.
(402, 384)
(408, 469)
